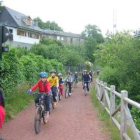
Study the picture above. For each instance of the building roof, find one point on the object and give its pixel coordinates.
(18, 20)
(60, 33)
(12, 18)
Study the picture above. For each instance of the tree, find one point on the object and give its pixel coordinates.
(120, 59)
(1, 5)
(94, 32)
(90, 48)
(48, 25)
(93, 37)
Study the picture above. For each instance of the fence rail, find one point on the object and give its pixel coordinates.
(107, 97)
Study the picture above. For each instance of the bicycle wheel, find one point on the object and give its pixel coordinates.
(37, 119)
(60, 96)
(66, 92)
(85, 89)
(52, 103)
(43, 118)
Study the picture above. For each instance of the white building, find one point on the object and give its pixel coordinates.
(26, 32)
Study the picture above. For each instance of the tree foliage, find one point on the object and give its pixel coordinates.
(1, 5)
(48, 25)
(52, 49)
(120, 58)
(93, 37)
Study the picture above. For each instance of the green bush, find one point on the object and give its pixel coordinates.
(20, 70)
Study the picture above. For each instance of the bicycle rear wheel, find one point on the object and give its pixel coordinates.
(37, 120)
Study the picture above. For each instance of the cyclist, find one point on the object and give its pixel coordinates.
(2, 111)
(86, 79)
(54, 82)
(68, 81)
(44, 87)
(76, 77)
(60, 83)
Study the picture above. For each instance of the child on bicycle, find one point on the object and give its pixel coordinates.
(69, 81)
(54, 82)
(86, 79)
(60, 83)
(44, 87)
(2, 111)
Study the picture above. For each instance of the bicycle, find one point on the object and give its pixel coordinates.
(67, 90)
(75, 83)
(39, 112)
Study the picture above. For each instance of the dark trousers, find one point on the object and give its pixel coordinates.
(47, 101)
(54, 92)
(69, 84)
(87, 84)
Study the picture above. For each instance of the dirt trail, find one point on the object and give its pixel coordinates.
(73, 119)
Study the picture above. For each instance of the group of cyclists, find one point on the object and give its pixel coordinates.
(51, 86)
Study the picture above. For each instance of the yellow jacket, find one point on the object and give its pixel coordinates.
(53, 81)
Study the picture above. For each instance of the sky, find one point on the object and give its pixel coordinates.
(74, 15)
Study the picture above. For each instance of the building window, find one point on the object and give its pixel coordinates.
(21, 33)
(62, 38)
(58, 37)
(32, 35)
(28, 21)
(71, 40)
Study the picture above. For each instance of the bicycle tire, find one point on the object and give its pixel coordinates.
(37, 120)
(52, 103)
(43, 118)
(66, 92)
(85, 88)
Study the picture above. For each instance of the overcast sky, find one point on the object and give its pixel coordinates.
(74, 15)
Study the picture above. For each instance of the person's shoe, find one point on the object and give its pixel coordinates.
(55, 103)
(70, 94)
(46, 118)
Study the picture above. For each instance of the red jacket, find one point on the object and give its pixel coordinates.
(43, 87)
(2, 116)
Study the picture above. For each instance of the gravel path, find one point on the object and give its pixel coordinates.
(73, 119)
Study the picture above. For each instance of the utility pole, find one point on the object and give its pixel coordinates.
(0, 44)
(114, 21)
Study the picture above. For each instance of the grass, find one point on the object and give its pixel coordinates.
(108, 126)
(17, 101)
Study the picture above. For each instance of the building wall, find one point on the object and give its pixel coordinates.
(19, 44)
(23, 39)
(28, 42)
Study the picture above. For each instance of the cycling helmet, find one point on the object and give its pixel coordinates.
(43, 74)
(59, 74)
(40, 74)
(52, 71)
(68, 72)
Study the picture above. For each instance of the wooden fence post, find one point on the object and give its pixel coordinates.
(112, 101)
(97, 88)
(101, 89)
(104, 99)
(123, 118)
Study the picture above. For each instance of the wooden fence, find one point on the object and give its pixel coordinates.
(120, 115)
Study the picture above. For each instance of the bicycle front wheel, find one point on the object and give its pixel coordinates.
(66, 92)
(37, 120)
